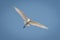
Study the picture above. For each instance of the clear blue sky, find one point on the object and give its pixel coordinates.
(46, 12)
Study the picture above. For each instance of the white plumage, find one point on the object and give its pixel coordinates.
(29, 21)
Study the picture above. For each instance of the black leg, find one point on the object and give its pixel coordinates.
(24, 26)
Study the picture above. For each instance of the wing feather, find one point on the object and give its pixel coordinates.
(21, 13)
(38, 24)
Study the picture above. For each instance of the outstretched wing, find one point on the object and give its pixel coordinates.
(38, 24)
(21, 13)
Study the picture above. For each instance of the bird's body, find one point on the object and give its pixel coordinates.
(28, 21)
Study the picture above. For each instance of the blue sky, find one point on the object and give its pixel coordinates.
(46, 12)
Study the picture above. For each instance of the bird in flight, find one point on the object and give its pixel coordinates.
(28, 21)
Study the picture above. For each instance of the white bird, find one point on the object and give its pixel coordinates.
(28, 21)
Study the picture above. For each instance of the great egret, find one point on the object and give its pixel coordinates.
(28, 21)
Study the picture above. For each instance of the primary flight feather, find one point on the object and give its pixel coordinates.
(28, 21)
(21, 13)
